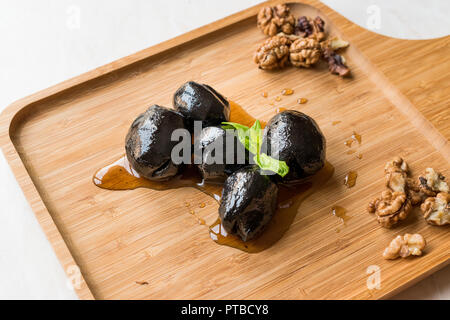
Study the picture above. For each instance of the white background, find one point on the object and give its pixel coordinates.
(47, 41)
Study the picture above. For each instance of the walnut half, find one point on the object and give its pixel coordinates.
(408, 245)
(272, 20)
(304, 52)
(436, 210)
(390, 208)
(273, 53)
(396, 173)
(432, 182)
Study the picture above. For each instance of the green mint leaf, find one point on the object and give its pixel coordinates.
(252, 138)
(268, 163)
(255, 138)
(242, 132)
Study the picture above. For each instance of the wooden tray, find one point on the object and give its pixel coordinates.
(56, 139)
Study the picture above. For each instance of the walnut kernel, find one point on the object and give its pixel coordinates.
(436, 210)
(307, 27)
(432, 182)
(390, 208)
(272, 20)
(273, 53)
(304, 52)
(336, 62)
(408, 245)
(396, 174)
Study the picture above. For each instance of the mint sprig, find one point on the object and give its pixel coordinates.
(252, 138)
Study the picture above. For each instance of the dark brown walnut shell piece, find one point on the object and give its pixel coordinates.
(272, 20)
(390, 208)
(273, 53)
(436, 210)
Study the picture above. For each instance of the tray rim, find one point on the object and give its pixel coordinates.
(15, 111)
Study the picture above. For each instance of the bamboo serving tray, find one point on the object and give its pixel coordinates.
(145, 244)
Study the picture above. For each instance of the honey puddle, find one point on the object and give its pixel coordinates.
(290, 199)
(121, 176)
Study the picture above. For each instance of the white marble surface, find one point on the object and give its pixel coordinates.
(47, 41)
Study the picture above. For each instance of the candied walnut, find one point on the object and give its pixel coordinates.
(436, 211)
(272, 20)
(408, 245)
(432, 182)
(304, 52)
(396, 174)
(306, 27)
(336, 62)
(273, 53)
(390, 208)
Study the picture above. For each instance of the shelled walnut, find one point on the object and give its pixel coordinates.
(390, 208)
(272, 20)
(432, 182)
(309, 41)
(307, 27)
(396, 174)
(408, 245)
(397, 180)
(436, 210)
(273, 53)
(428, 184)
(336, 62)
(304, 52)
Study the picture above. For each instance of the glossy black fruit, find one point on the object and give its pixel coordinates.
(148, 143)
(249, 201)
(200, 102)
(221, 154)
(296, 138)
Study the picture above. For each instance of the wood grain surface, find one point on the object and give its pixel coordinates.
(397, 99)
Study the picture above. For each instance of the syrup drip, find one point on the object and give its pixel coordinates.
(357, 137)
(287, 92)
(350, 179)
(121, 176)
(340, 213)
(349, 143)
(290, 199)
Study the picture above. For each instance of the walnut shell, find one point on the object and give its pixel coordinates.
(273, 53)
(304, 52)
(272, 20)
